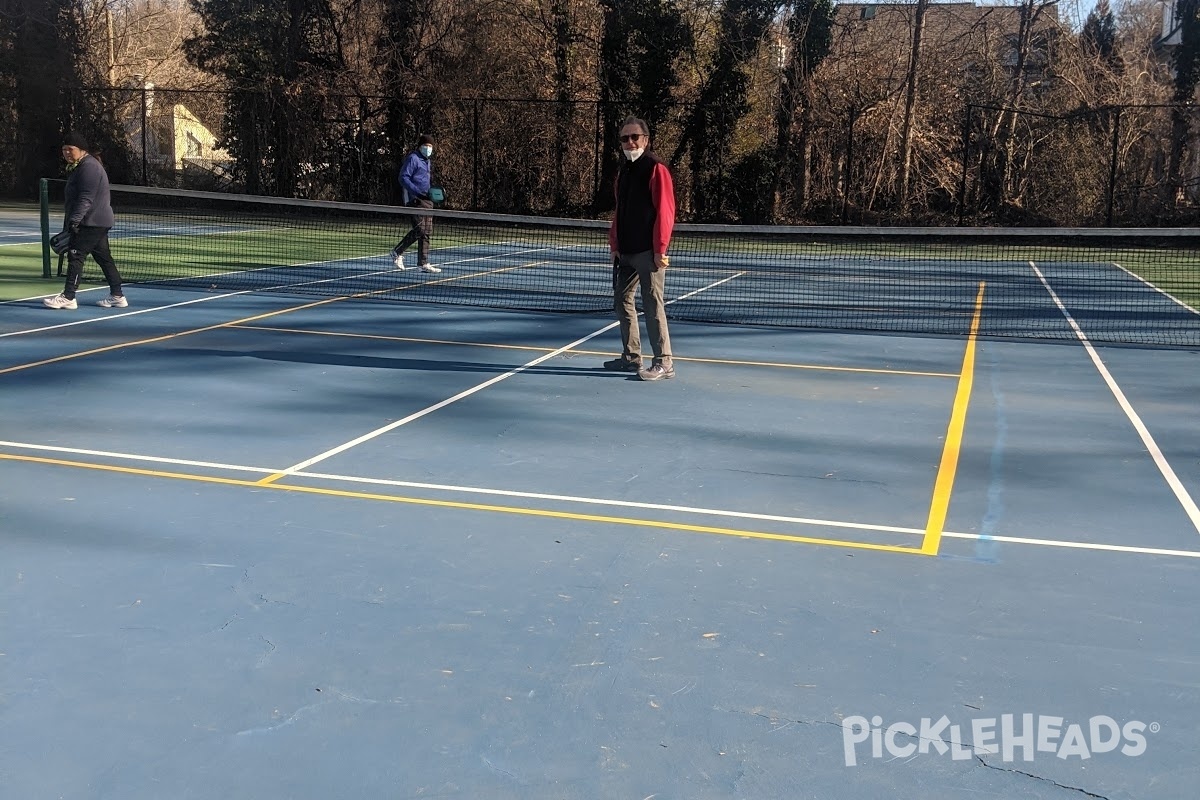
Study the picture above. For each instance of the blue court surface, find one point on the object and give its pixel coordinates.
(18, 226)
(265, 546)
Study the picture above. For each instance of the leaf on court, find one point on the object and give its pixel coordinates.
(711, 635)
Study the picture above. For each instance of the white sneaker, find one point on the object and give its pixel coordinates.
(60, 301)
(113, 301)
(398, 261)
(430, 268)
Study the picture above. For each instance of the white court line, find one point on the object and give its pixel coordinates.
(161, 281)
(366, 437)
(1113, 548)
(257, 289)
(113, 316)
(1181, 493)
(467, 489)
(179, 462)
(1150, 285)
(204, 299)
(825, 523)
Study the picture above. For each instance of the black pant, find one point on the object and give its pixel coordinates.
(422, 230)
(94, 242)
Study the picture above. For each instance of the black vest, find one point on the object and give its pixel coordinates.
(635, 209)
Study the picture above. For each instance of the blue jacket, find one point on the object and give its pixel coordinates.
(414, 177)
(87, 196)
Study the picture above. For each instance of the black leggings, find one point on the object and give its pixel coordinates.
(94, 242)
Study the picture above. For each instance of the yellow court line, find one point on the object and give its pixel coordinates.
(153, 339)
(533, 512)
(940, 504)
(419, 340)
(244, 320)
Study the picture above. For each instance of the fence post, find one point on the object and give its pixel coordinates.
(44, 213)
(1112, 169)
(475, 154)
(966, 160)
(145, 124)
(846, 178)
(598, 153)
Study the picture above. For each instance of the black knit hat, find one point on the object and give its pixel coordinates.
(75, 139)
(425, 139)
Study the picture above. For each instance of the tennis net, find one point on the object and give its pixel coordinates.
(1138, 286)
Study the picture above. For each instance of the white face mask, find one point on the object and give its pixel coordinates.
(426, 150)
(634, 155)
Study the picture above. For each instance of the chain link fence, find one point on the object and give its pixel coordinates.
(1113, 166)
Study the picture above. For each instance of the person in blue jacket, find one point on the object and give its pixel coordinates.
(88, 216)
(414, 179)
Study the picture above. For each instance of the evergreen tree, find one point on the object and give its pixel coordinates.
(278, 57)
(39, 48)
(1186, 61)
(639, 52)
(1099, 35)
(722, 102)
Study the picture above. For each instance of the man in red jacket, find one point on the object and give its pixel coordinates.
(638, 238)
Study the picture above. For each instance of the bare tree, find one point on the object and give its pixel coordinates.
(1027, 54)
(808, 36)
(141, 40)
(910, 101)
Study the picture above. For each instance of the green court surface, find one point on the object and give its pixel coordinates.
(1127, 286)
(21, 253)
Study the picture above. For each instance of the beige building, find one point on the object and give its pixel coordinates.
(175, 141)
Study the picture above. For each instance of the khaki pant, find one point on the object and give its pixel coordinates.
(630, 271)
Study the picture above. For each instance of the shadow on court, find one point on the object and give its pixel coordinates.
(368, 555)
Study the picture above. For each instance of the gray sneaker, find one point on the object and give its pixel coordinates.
(657, 372)
(623, 364)
(60, 302)
(427, 267)
(113, 301)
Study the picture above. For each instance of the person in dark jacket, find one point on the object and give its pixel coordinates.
(415, 178)
(88, 216)
(638, 239)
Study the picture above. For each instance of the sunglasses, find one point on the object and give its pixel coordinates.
(631, 137)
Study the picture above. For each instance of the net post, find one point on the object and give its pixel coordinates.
(44, 214)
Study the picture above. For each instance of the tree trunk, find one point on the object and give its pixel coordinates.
(910, 103)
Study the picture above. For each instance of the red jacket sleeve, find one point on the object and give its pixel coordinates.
(662, 194)
(612, 228)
